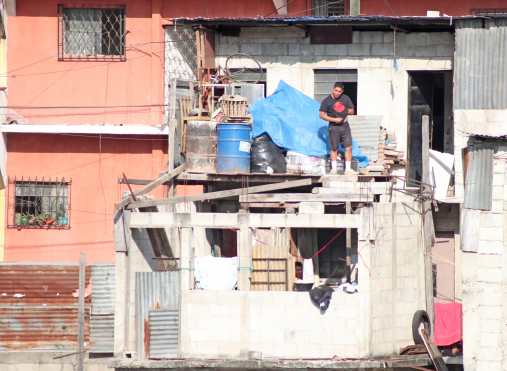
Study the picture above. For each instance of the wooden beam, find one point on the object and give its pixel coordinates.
(300, 197)
(223, 194)
(152, 185)
(254, 220)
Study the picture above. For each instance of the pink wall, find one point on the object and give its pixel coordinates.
(404, 7)
(94, 166)
(37, 78)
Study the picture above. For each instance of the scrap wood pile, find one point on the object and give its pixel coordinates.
(389, 158)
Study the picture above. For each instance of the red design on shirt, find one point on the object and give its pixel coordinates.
(339, 107)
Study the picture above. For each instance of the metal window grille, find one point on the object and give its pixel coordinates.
(328, 8)
(91, 33)
(41, 204)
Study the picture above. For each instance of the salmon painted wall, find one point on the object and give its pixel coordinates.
(94, 165)
(37, 78)
(406, 8)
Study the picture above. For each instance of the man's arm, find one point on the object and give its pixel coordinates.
(350, 106)
(325, 117)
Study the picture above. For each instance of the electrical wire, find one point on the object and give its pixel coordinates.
(280, 7)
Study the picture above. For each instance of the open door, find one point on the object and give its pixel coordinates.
(429, 93)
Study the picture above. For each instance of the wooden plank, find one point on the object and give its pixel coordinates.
(254, 220)
(152, 185)
(224, 194)
(355, 188)
(301, 197)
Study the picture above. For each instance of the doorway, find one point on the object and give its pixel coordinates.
(429, 93)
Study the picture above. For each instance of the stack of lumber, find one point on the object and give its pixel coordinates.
(388, 156)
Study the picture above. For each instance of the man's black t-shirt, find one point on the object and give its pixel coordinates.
(336, 107)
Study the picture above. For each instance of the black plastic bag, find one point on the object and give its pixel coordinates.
(266, 156)
(321, 297)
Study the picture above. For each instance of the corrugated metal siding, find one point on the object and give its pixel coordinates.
(39, 307)
(323, 81)
(164, 333)
(102, 333)
(102, 316)
(154, 291)
(366, 131)
(480, 64)
(479, 177)
(103, 287)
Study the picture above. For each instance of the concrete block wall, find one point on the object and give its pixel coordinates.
(397, 284)
(382, 60)
(484, 283)
(234, 324)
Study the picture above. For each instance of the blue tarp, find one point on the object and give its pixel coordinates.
(292, 121)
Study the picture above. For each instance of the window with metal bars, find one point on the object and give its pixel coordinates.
(91, 33)
(328, 8)
(41, 204)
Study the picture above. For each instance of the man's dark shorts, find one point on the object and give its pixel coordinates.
(339, 134)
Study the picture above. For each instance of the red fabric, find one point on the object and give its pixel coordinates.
(448, 323)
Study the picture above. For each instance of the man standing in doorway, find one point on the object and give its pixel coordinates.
(334, 109)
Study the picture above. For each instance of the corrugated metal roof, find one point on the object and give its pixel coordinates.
(39, 307)
(366, 131)
(164, 333)
(440, 23)
(154, 291)
(479, 176)
(480, 64)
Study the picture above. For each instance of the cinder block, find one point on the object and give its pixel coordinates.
(388, 37)
(275, 49)
(356, 37)
(228, 49)
(336, 49)
(382, 49)
(307, 50)
(491, 233)
(491, 313)
(418, 39)
(359, 50)
(491, 247)
(444, 51)
(251, 49)
(371, 37)
(490, 340)
(491, 326)
(489, 219)
(498, 166)
(294, 49)
(443, 38)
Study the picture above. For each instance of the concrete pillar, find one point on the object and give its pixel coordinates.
(244, 252)
(186, 259)
(121, 295)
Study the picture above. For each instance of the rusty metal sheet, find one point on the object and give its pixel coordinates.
(38, 307)
(154, 291)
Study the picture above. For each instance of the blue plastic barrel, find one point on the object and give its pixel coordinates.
(233, 148)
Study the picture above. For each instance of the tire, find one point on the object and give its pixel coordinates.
(420, 317)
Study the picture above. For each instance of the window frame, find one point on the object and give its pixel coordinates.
(62, 56)
(317, 13)
(13, 203)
